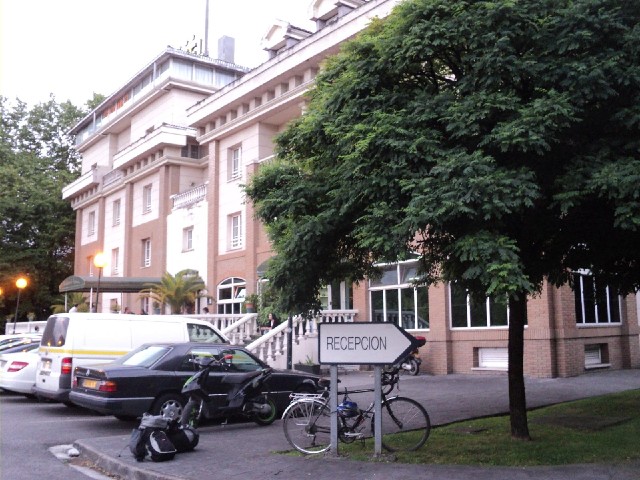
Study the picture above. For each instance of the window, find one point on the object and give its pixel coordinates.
(337, 296)
(203, 333)
(395, 299)
(91, 224)
(146, 199)
(595, 303)
(231, 293)
(235, 163)
(468, 313)
(115, 261)
(146, 252)
(235, 231)
(187, 239)
(190, 151)
(116, 213)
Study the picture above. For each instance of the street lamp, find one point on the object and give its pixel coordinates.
(20, 283)
(99, 261)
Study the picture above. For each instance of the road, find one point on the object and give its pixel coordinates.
(28, 429)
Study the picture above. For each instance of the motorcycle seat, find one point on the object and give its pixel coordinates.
(236, 378)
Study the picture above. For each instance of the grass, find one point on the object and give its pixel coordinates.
(602, 429)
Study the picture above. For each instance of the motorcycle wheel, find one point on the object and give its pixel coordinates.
(267, 418)
(415, 367)
(191, 413)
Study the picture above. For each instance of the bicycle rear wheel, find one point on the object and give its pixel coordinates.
(307, 426)
(405, 425)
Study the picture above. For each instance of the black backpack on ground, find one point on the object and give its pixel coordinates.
(183, 437)
(151, 438)
(160, 447)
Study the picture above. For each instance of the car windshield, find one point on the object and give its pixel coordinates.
(26, 347)
(13, 342)
(144, 356)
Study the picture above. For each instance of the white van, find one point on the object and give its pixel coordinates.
(71, 339)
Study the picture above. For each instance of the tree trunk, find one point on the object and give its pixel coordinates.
(517, 396)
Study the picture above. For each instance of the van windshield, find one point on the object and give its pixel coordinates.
(55, 333)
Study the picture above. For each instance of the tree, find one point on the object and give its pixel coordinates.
(178, 292)
(37, 227)
(73, 298)
(497, 140)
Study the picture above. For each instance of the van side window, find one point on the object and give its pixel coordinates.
(203, 334)
(55, 333)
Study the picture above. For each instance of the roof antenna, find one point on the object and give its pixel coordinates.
(206, 30)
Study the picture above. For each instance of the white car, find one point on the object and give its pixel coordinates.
(18, 368)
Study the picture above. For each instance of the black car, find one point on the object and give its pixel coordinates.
(150, 379)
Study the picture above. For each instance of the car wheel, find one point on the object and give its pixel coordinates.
(169, 405)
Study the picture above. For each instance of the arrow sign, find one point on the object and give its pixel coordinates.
(363, 343)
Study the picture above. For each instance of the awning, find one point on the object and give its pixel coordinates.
(261, 271)
(76, 283)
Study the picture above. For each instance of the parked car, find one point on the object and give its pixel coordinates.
(150, 379)
(18, 368)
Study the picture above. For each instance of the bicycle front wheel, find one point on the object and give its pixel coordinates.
(307, 426)
(405, 425)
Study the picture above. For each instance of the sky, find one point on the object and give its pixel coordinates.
(73, 48)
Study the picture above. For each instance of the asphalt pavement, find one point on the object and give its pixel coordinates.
(247, 451)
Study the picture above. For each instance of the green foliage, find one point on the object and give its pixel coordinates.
(73, 298)
(498, 140)
(178, 292)
(37, 227)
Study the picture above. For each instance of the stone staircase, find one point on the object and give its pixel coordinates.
(271, 347)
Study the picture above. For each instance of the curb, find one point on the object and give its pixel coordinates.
(116, 467)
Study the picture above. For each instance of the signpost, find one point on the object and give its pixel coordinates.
(361, 343)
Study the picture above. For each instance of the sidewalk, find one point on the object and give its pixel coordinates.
(246, 451)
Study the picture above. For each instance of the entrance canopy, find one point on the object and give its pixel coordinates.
(76, 283)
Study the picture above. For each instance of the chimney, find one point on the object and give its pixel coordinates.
(226, 49)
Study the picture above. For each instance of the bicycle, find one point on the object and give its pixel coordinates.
(307, 420)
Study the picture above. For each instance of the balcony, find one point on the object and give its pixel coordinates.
(85, 182)
(190, 197)
(166, 134)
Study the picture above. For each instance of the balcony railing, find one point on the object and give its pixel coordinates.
(112, 177)
(185, 199)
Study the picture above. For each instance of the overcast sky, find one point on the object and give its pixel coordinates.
(72, 48)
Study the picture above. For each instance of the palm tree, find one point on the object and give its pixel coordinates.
(73, 298)
(179, 292)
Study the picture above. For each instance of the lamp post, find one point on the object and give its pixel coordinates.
(20, 283)
(99, 261)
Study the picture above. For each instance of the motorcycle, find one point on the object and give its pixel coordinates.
(245, 394)
(411, 363)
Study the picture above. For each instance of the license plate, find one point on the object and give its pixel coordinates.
(46, 364)
(89, 383)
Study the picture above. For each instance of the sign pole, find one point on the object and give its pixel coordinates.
(333, 404)
(377, 410)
